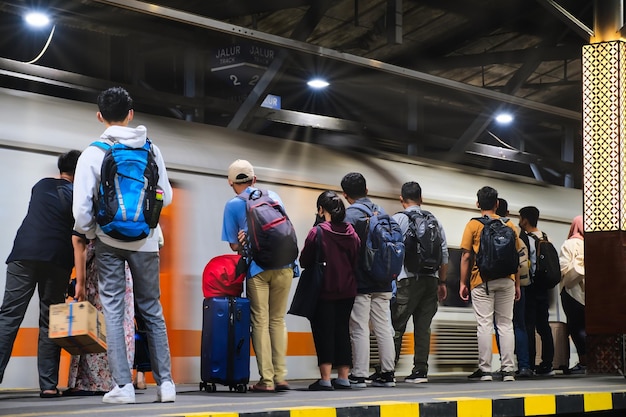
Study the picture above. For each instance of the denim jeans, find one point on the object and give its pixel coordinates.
(144, 267)
(51, 281)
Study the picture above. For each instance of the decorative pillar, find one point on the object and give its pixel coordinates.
(604, 203)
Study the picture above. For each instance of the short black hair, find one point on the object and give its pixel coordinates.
(487, 198)
(503, 207)
(330, 201)
(353, 184)
(114, 104)
(531, 214)
(411, 191)
(67, 162)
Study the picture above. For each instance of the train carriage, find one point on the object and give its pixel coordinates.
(35, 129)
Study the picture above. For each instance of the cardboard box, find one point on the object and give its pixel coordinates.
(78, 328)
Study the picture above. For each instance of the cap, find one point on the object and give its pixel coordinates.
(240, 171)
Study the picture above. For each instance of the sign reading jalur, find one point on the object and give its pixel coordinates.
(241, 66)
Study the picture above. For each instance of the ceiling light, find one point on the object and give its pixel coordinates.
(504, 118)
(318, 83)
(37, 19)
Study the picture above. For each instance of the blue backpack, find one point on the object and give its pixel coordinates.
(382, 245)
(127, 192)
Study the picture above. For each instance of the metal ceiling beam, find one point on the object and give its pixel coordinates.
(78, 82)
(569, 19)
(556, 53)
(211, 24)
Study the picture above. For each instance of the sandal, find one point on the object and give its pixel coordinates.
(281, 386)
(260, 388)
(55, 394)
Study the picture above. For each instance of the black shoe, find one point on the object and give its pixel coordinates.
(316, 386)
(477, 374)
(577, 370)
(417, 377)
(357, 381)
(385, 379)
(372, 377)
(544, 370)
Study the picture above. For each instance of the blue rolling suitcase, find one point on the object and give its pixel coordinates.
(225, 346)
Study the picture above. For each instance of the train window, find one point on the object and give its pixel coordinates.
(453, 277)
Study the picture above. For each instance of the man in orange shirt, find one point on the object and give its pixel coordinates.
(494, 299)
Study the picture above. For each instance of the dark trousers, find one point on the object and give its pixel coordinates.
(51, 281)
(575, 313)
(417, 298)
(537, 305)
(331, 333)
(142, 352)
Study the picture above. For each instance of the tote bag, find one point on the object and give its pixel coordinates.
(308, 290)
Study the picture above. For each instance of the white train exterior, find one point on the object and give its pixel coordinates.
(35, 129)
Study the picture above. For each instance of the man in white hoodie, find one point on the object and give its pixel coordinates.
(115, 111)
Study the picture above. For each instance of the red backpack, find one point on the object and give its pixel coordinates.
(220, 277)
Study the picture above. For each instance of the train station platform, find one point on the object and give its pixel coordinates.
(442, 396)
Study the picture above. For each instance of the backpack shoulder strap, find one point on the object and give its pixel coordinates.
(363, 208)
(102, 145)
(484, 219)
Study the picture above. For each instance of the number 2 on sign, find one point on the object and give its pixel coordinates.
(235, 79)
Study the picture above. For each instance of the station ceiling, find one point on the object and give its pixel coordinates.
(420, 78)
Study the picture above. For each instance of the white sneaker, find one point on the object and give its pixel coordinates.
(486, 377)
(124, 395)
(166, 392)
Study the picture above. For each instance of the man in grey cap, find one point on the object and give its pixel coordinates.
(267, 289)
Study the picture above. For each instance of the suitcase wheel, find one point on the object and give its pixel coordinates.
(208, 387)
(242, 388)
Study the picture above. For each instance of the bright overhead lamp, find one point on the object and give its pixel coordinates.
(37, 19)
(504, 118)
(318, 83)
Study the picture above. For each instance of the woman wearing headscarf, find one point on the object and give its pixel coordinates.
(572, 260)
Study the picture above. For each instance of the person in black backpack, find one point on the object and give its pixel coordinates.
(422, 283)
(267, 287)
(537, 297)
(371, 305)
(493, 293)
(116, 112)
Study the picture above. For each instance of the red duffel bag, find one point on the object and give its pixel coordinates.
(222, 278)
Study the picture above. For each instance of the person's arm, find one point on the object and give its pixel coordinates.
(442, 288)
(466, 261)
(80, 263)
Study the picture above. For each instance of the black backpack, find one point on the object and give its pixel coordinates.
(422, 243)
(271, 235)
(497, 255)
(547, 267)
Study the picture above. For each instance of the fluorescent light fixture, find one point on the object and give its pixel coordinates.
(318, 83)
(504, 118)
(37, 19)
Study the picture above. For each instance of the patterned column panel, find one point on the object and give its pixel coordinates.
(604, 136)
